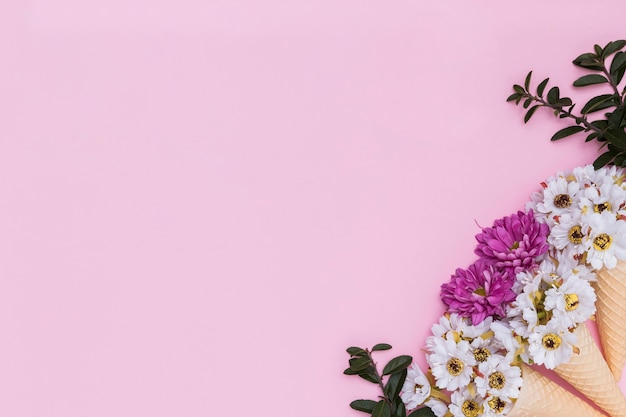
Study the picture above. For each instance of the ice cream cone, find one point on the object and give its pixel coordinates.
(611, 315)
(541, 397)
(588, 372)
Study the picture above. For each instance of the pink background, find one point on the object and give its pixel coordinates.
(205, 202)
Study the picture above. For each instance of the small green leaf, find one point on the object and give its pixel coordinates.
(422, 412)
(584, 57)
(598, 50)
(619, 61)
(613, 47)
(397, 364)
(355, 351)
(591, 137)
(358, 364)
(563, 102)
(369, 376)
(400, 408)
(599, 103)
(381, 346)
(592, 65)
(568, 131)
(530, 113)
(527, 102)
(603, 159)
(527, 81)
(514, 96)
(381, 409)
(542, 87)
(394, 384)
(363, 405)
(590, 80)
(518, 89)
(553, 95)
(617, 137)
(620, 159)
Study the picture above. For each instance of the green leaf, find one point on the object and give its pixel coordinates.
(590, 80)
(617, 137)
(363, 405)
(598, 103)
(592, 65)
(527, 81)
(381, 346)
(422, 412)
(356, 351)
(620, 159)
(358, 364)
(616, 118)
(400, 408)
(514, 96)
(527, 102)
(613, 47)
(397, 364)
(584, 57)
(394, 384)
(603, 159)
(381, 409)
(568, 131)
(530, 113)
(619, 61)
(553, 95)
(598, 50)
(591, 137)
(369, 376)
(563, 102)
(519, 89)
(542, 87)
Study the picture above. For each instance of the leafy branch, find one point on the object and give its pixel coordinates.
(608, 66)
(389, 404)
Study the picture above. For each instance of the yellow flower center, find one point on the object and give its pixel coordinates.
(497, 380)
(481, 354)
(455, 366)
(470, 408)
(562, 201)
(575, 235)
(571, 302)
(551, 341)
(602, 241)
(599, 208)
(496, 404)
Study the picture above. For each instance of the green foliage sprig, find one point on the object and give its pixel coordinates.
(610, 131)
(389, 404)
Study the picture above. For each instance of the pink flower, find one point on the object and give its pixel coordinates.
(514, 242)
(478, 292)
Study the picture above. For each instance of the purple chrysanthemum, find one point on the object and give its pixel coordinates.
(514, 242)
(478, 292)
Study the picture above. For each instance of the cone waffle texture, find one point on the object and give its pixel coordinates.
(541, 397)
(611, 315)
(589, 373)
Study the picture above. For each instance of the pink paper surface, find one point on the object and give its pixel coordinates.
(205, 202)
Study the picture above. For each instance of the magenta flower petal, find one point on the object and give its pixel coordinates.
(513, 243)
(480, 291)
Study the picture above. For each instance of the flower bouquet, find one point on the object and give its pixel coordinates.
(540, 275)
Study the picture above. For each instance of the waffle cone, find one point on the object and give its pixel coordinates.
(541, 397)
(610, 314)
(589, 373)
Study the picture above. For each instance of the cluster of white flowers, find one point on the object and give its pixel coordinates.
(585, 210)
(479, 365)
(552, 301)
(472, 363)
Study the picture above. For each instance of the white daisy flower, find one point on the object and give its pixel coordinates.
(571, 303)
(448, 322)
(451, 362)
(438, 407)
(550, 345)
(416, 388)
(473, 331)
(605, 197)
(559, 197)
(483, 349)
(505, 334)
(464, 404)
(607, 240)
(568, 264)
(587, 175)
(569, 232)
(497, 407)
(498, 378)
